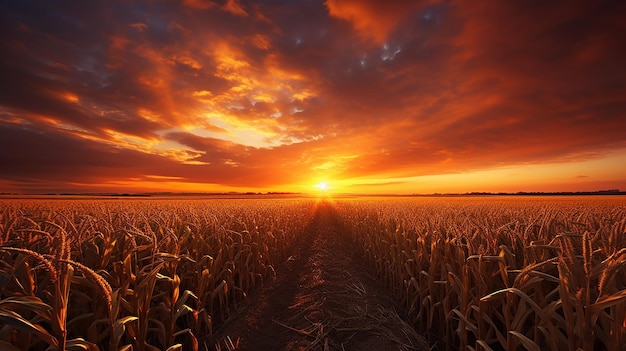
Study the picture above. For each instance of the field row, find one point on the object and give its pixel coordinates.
(140, 275)
(501, 275)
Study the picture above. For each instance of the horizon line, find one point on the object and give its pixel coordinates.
(316, 194)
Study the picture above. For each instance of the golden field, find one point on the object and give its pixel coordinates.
(502, 273)
(138, 274)
(471, 273)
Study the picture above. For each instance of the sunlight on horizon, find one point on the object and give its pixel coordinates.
(322, 186)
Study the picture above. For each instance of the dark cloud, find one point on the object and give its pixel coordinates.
(38, 154)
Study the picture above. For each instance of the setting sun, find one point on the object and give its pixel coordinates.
(322, 186)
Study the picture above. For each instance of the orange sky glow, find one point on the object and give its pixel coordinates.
(361, 96)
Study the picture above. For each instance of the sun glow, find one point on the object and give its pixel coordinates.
(322, 186)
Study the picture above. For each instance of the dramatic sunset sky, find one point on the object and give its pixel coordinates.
(281, 95)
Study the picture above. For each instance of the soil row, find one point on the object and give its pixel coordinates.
(321, 299)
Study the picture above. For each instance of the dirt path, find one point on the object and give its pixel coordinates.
(322, 299)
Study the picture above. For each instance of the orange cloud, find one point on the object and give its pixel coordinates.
(199, 4)
(234, 7)
(392, 95)
(374, 20)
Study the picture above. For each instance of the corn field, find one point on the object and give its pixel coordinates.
(138, 275)
(470, 273)
(476, 274)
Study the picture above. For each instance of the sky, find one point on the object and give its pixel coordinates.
(282, 95)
